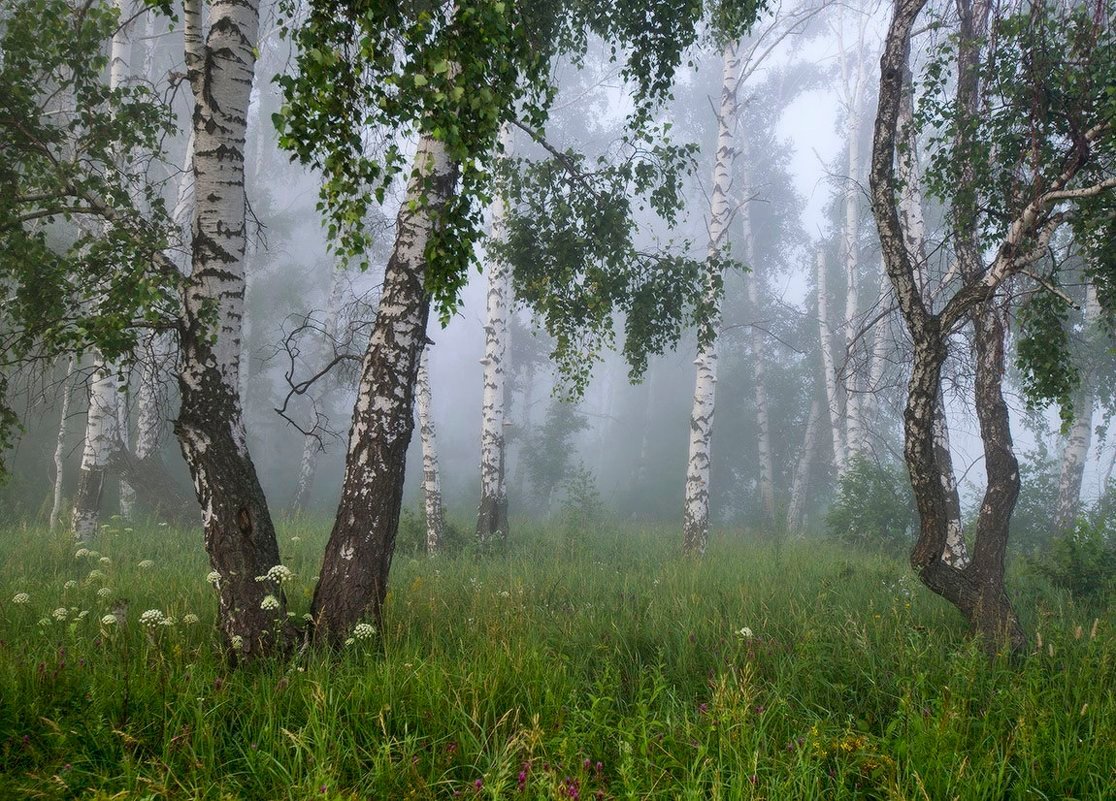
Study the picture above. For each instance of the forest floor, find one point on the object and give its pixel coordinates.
(577, 665)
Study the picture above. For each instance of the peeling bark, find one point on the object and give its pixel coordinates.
(695, 517)
(353, 580)
(431, 482)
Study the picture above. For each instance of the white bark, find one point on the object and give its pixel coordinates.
(695, 518)
(1079, 439)
(492, 512)
(759, 362)
(127, 491)
(100, 439)
(829, 369)
(431, 483)
(60, 444)
(797, 502)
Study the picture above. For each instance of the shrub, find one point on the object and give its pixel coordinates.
(1083, 562)
(874, 507)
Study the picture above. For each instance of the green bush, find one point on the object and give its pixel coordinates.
(1083, 562)
(410, 540)
(874, 508)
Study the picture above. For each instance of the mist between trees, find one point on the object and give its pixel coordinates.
(788, 270)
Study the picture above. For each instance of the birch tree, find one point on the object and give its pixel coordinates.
(431, 481)
(492, 516)
(695, 514)
(829, 369)
(1060, 183)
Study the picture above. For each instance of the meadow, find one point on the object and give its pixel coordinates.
(577, 665)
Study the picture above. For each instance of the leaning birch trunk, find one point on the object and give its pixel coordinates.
(695, 516)
(353, 580)
(912, 222)
(239, 534)
(797, 503)
(311, 444)
(759, 363)
(431, 483)
(1079, 439)
(60, 444)
(829, 370)
(492, 515)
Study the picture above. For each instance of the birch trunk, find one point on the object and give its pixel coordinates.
(100, 440)
(311, 445)
(797, 503)
(829, 370)
(695, 517)
(60, 444)
(492, 515)
(431, 483)
(1079, 439)
(354, 575)
(239, 534)
(123, 442)
(759, 362)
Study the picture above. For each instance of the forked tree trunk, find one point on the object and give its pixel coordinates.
(1079, 439)
(431, 482)
(797, 503)
(829, 370)
(695, 515)
(978, 589)
(60, 444)
(354, 576)
(759, 361)
(492, 515)
(239, 534)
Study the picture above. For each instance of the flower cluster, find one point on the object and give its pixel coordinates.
(280, 574)
(104, 592)
(269, 602)
(61, 613)
(745, 633)
(213, 578)
(21, 598)
(146, 564)
(364, 631)
(152, 618)
(189, 618)
(108, 620)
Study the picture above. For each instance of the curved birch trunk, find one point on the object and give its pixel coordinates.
(492, 515)
(60, 445)
(431, 483)
(239, 534)
(353, 580)
(797, 503)
(1079, 439)
(829, 370)
(759, 362)
(695, 516)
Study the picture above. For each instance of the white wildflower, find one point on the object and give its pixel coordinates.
(296, 538)
(237, 642)
(168, 621)
(61, 613)
(163, 524)
(280, 573)
(94, 575)
(146, 564)
(44, 621)
(129, 530)
(108, 620)
(213, 578)
(269, 602)
(364, 631)
(84, 613)
(309, 618)
(21, 598)
(189, 618)
(104, 560)
(505, 594)
(349, 641)
(152, 618)
(81, 553)
(104, 592)
(69, 585)
(745, 632)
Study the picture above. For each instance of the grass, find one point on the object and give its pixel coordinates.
(593, 666)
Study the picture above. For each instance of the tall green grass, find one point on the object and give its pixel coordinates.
(595, 665)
